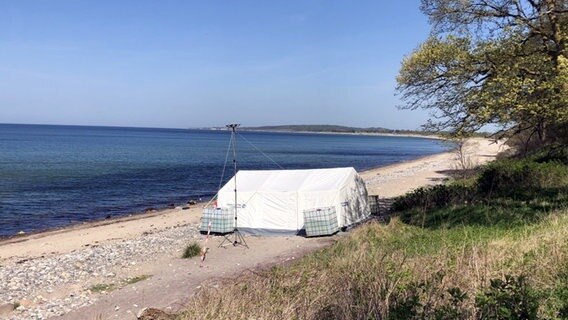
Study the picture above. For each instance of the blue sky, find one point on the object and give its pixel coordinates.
(181, 64)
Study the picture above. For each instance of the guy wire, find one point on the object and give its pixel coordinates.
(257, 149)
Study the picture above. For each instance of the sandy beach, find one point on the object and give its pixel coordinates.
(112, 269)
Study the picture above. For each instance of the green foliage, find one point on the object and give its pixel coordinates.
(455, 308)
(107, 287)
(507, 214)
(417, 301)
(560, 296)
(505, 193)
(513, 74)
(438, 196)
(192, 250)
(554, 153)
(521, 177)
(102, 287)
(511, 298)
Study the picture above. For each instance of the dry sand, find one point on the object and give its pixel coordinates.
(174, 280)
(397, 179)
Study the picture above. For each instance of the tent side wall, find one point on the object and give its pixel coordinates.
(263, 212)
(269, 207)
(272, 213)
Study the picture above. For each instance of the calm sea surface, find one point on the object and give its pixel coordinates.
(52, 176)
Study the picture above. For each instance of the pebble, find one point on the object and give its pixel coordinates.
(6, 309)
(32, 280)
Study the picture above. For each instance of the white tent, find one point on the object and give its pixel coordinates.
(273, 201)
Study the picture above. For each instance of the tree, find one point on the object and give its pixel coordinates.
(499, 62)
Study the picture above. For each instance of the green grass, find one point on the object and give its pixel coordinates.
(192, 250)
(107, 287)
(103, 287)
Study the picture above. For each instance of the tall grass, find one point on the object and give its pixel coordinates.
(380, 271)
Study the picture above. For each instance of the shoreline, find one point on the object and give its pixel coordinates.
(133, 216)
(159, 210)
(36, 234)
(164, 211)
(55, 273)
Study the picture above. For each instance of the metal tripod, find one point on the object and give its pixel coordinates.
(238, 239)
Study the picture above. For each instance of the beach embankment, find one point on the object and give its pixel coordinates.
(112, 269)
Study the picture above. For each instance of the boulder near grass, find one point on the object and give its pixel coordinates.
(192, 250)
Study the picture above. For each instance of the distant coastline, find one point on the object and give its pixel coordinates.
(341, 130)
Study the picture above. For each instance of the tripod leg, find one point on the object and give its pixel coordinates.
(226, 239)
(240, 239)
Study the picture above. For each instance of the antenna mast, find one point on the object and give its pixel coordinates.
(238, 237)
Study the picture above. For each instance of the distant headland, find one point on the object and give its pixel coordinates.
(331, 129)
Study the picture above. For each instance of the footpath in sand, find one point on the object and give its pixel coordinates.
(113, 269)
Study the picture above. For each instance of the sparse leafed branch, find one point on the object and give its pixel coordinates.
(500, 62)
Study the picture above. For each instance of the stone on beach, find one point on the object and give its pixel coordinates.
(6, 309)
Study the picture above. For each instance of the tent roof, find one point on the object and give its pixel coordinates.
(289, 180)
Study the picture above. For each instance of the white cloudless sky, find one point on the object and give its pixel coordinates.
(182, 64)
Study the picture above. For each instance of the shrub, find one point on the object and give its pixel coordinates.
(428, 300)
(512, 178)
(511, 298)
(192, 250)
(558, 153)
(433, 197)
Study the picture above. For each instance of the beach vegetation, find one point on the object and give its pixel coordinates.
(107, 287)
(477, 248)
(102, 287)
(494, 62)
(137, 279)
(464, 150)
(191, 250)
(400, 271)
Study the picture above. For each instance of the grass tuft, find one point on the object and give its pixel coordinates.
(102, 287)
(107, 287)
(137, 279)
(192, 250)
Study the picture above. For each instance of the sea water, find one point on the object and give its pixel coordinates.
(52, 176)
